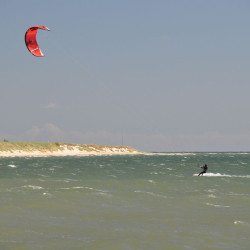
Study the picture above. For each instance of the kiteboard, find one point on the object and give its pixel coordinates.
(205, 174)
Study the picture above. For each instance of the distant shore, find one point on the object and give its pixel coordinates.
(34, 149)
(40, 149)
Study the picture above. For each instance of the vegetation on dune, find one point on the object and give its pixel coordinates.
(28, 146)
(55, 146)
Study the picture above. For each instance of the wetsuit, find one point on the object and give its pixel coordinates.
(204, 170)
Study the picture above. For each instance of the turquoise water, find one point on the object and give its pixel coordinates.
(125, 202)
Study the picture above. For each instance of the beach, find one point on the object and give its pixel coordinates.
(35, 149)
(71, 151)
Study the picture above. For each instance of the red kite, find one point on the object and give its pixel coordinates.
(30, 40)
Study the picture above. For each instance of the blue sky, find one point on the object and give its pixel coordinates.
(155, 75)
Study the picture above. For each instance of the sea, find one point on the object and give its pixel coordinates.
(125, 202)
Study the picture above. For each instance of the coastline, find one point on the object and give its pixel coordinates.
(77, 152)
(73, 151)
(34, 149)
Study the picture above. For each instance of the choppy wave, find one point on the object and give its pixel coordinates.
(216, 205)
(211, 190)
(151, 193)
(47, 194)
(112, 175)
(151, 181)
(83, 187)
(12, 166)
(212, 196)
(238, 194)
(33, 187)
(242, 223)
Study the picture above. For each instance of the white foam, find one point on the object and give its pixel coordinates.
(222, 175)
(212, 196)
(151, 181)
(211, 190)
(43, 175)
(215, 205)
(12, 166)
(216, 175)
(239, 222)
(151, 193)
(33, 187)
(77, 188)
(114, 176)
(104, 194)
(89, 188)
(47, 194)
(153, 173)
(238, 194)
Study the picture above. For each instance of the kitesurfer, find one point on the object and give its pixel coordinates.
(204, 167)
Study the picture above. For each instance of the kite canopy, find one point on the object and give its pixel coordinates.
(30, 40)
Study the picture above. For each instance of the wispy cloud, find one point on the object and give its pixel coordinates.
(51, 106)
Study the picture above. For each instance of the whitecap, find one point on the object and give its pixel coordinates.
(211, 190)
(239, 222)
(104, 194)
(237, 194)
(216, 205)
(151, 193)
(88, 188)
(151, 181)
(75, 188)
(33, 187)
(12, 166)
(153, 173)
(67, 180)
(43, 175)
(114, 176)
(212, 196)
(47, 194)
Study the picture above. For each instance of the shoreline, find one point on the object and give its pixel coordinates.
(74, 151)
(35, 149)
(41, 149)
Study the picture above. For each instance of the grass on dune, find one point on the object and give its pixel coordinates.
(55, 146)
